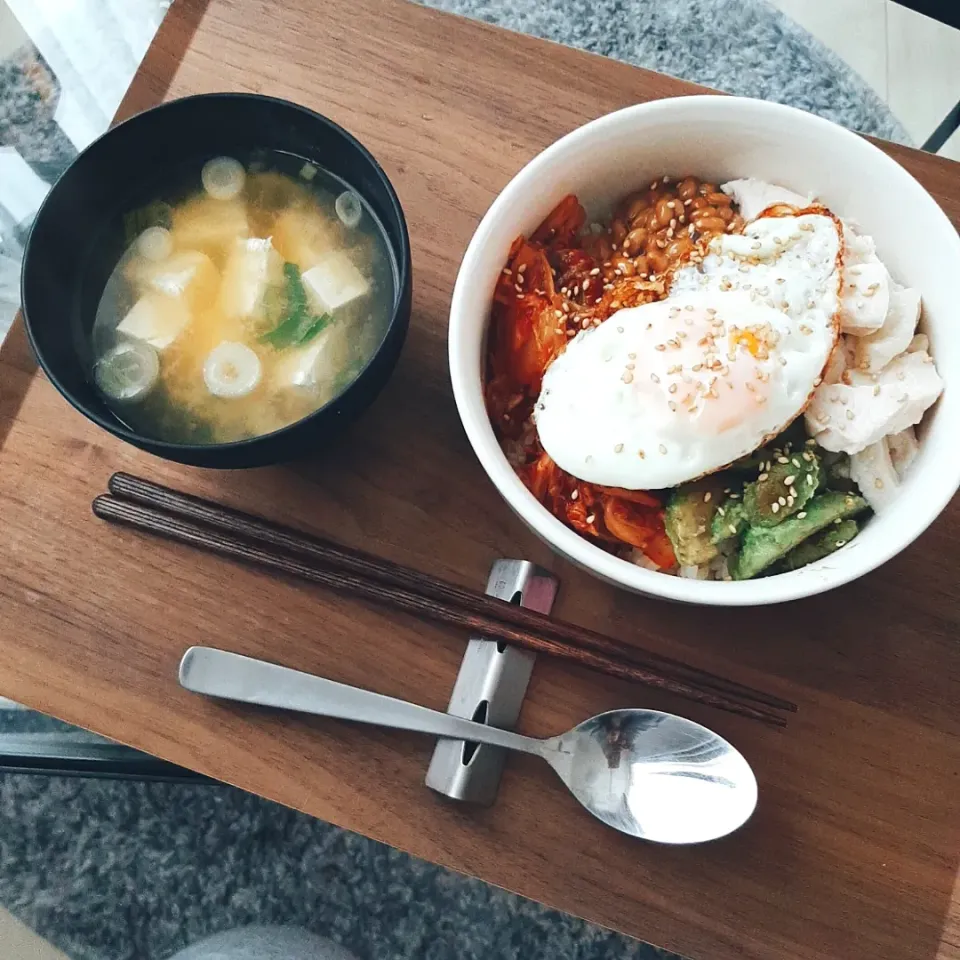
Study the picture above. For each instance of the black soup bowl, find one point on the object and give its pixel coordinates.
(78, 238)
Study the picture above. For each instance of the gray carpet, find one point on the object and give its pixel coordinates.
(111, 870)
(125, 871)
(745, 47)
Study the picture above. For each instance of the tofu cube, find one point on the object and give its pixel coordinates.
(334, 282)
(317, 366)
(155, 319)
(252, 266)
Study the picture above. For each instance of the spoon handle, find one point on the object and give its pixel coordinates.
(218, 673)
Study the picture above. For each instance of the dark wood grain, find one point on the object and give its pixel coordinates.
(854, 848)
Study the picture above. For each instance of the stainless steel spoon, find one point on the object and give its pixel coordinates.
(650, 774)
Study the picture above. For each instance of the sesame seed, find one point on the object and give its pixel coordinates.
(641, 454)
(595, 272)
(841, 543)
(707, 496)
(801, 514)
(507, 272)
(591, 518)
(565, 307)
(654, 378)
(618, 448)
(558, 314)
(662, 448)
(672, 388)
(518, 288)
(850, 414)
(661, 347)
(619, 329)
(782, 460)
(631, 366)
(575, 494)
(732, 528)
(789, 481)
(810, 480)
(763, 476)
(782, 501)
(627, 377)
(673, 406)
(720, 511)
(775, 507)
(586, 285)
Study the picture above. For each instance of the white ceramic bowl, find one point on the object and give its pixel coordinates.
(723, 138)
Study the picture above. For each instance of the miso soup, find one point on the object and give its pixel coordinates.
(248, 297)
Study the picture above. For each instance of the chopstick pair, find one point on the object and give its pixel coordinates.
(153, 508)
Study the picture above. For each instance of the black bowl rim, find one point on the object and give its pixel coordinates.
(404, 266)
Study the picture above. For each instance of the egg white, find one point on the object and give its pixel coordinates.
(667, 392)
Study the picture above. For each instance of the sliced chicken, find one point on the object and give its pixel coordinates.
(903, 447)
(873, 472)
(848, 417)
(865, 298)
(754, 196)
(876, 350)
(856, 248)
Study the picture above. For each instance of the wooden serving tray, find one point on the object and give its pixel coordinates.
(854, 848)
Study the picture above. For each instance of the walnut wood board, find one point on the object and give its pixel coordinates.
(854, 847)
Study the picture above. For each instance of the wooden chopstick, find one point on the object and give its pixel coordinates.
(216, 541)
(167, 525)
(364, 565)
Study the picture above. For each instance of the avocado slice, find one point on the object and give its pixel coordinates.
(785, 486)
(817, 547)
(729, 521)
(763, 546)
(688, 519)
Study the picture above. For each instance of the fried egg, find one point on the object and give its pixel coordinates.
(663, 393)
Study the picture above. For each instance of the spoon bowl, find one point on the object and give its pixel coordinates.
(655, 776)
(649, 774)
